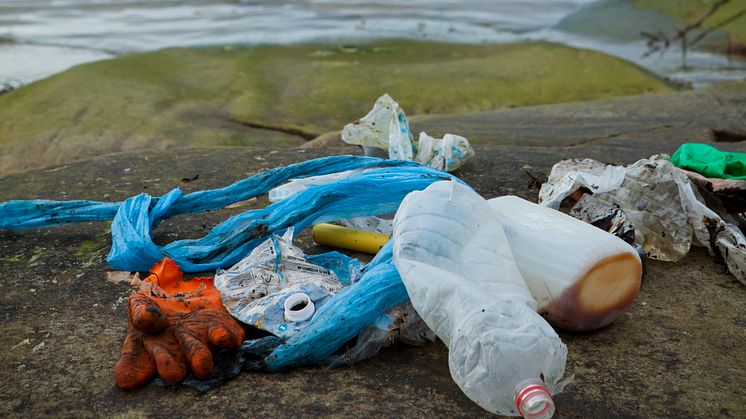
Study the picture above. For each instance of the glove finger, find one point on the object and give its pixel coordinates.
(135, 367)
(169, 360)
(198, 354)
(225, 332)
(145, 314)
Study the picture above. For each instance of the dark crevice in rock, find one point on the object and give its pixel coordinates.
(616, 134)
(728, 136)
(308, 136)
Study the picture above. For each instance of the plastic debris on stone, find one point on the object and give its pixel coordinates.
(659, 203)
(446, 154)
(386, 127)
(229, 241)
(374, 289)
(255, 289)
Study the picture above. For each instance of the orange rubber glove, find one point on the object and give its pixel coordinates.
(174, 325)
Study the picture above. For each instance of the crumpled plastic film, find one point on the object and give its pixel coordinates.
(710, 162)
(446, 154)
(400, 324)
(39, 213)
(568, 176)
(255, 289)
(382, 224)
(658, 201)
(386, 127)
(359, 305)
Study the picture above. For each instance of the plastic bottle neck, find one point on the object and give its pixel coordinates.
(534, 401)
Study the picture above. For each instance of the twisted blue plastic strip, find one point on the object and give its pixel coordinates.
(38, 213)
(342, 318)
(374, 192)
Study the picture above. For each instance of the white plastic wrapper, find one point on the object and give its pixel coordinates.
(459, 271)
(659, 202)
(294, 186)
(380, 225)
(254, 290)
(446, 154)
(386, 127)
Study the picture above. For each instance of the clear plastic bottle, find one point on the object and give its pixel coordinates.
(459, 271)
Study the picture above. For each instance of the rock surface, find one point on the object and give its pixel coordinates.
(275, 96)
(673, 354)
(714, 114)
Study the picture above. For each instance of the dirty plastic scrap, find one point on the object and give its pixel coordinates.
(257, 288)
(461, 276)
(659, 203)
(386, 127)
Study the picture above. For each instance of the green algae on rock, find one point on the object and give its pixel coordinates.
(284, 95)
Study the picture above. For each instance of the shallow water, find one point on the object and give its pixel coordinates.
(39, 38)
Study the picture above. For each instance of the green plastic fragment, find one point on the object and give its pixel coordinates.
(710, 162)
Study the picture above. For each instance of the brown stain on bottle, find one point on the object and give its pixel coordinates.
(601, 295)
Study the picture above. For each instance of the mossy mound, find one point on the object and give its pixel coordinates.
(281, 96)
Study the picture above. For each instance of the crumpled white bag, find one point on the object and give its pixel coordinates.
(386, 127)
(659, 202)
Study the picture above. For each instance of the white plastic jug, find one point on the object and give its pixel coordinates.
(581, 277)
(459, 271)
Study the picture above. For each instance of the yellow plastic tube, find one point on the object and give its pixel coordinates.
(347, 238)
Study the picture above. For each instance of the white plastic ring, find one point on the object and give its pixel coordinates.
(299, 307)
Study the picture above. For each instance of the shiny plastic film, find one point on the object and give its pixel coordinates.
(659, 201)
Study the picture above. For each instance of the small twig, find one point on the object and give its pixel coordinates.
(660, 42)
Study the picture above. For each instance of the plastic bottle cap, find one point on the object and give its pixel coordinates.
(535, 402)
(299, 307)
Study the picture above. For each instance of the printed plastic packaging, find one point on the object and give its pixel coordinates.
(660, 203)
(264, 287)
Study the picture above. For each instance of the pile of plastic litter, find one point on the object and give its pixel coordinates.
(486, 276)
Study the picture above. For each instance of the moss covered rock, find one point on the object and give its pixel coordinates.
(283, 96)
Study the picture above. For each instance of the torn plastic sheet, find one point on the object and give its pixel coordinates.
(400, 324)
(727, 197)
(605, 216)
(354, 308)
(659, 202)
(446, 154)
(136, 217)
(254, 291)
(386, 127)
